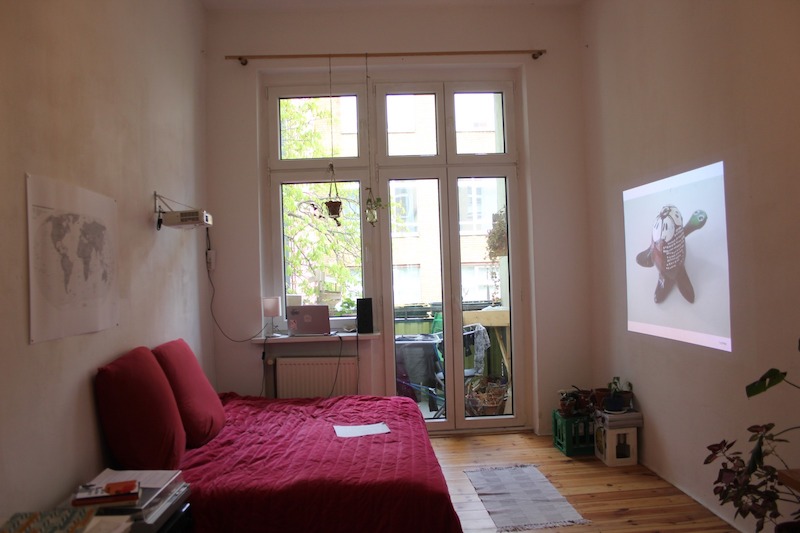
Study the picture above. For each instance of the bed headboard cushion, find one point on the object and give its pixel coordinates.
(138, 413)
(198, 403)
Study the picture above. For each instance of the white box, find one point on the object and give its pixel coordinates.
(616, 447)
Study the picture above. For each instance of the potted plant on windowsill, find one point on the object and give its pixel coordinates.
(749, 482)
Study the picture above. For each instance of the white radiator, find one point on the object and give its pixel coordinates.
(309, 377)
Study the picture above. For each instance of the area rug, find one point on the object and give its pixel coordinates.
(520, 498)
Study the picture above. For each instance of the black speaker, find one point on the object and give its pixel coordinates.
(364, 315)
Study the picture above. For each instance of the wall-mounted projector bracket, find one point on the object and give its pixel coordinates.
(186, 219)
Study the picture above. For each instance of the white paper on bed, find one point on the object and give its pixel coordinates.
(360, 431)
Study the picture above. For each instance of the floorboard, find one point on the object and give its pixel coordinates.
(624, 499)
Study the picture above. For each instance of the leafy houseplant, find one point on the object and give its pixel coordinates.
(574, 402)
(497, 237)
(619, 395)
(749, 483)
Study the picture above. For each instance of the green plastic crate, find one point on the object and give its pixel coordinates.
(573, 435)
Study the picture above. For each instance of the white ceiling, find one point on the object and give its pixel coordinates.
(300, 4)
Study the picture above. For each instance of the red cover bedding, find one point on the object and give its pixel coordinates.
(277, 465)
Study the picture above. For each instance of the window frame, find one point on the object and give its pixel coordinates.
(280, 177)
(275, 94)
(506, 88)
(382, 90)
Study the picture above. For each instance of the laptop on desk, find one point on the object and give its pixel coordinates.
(308, 320)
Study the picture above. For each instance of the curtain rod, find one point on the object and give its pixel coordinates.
(243, 59)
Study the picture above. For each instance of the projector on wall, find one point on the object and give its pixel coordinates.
(186, 219)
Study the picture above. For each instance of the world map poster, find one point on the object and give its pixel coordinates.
(72, 259)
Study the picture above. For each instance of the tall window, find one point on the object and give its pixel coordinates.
(321, 255)
(314, 147)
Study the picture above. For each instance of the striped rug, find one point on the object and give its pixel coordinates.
(520, 498)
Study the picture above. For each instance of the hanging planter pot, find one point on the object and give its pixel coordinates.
(334, 203)
(372, 206)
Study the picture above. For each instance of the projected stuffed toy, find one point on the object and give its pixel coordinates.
(667, 251)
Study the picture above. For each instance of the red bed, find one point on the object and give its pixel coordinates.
(256, 464)
(277, 465)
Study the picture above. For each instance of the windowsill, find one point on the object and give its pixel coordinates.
(338, 337)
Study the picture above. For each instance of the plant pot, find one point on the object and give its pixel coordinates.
(598, 397)
(584, 400)
(566, 408)
(788, 527)
(627, 397)
(334, 208)
(615, 402)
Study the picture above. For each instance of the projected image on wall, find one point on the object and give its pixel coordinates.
(676, 258)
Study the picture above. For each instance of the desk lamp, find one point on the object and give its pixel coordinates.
(271, 307)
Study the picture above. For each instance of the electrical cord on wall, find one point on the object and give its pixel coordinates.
(358, 364)
(338, 366)
(211, 304)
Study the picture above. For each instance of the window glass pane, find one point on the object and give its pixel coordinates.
(318, 127)
(404, 207)
(406, 277)
(411, 124)
(479, 123)
(477, 200)
(417, 289)
(478, 283)
(322, 255)
(486, 302)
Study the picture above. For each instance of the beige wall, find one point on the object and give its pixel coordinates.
(108, 96)
(672, 86)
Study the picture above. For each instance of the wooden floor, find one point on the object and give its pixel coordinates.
(622, 498)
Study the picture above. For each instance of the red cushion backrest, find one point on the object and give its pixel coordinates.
(138, 413)
(198, 403)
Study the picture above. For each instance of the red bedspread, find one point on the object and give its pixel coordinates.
(277, 465)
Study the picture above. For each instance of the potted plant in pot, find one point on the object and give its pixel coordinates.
(574, 402)
(566, 403)
(750, 483)
(619, 396)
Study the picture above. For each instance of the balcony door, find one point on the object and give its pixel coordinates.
(451, 289)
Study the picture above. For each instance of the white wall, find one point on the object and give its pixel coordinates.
(554, 190)
(671, 86)
(108, 96)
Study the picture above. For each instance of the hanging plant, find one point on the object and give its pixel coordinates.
(334, 204)
(334, 208)
(372, 206)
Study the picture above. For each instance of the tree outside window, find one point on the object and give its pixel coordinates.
(321, 259)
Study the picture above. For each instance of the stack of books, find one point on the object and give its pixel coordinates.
(114, 493)
(148, 497)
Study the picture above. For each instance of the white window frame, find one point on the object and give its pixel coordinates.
(506, 88)
(382, 90)
(280, 177)
(274, 95)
